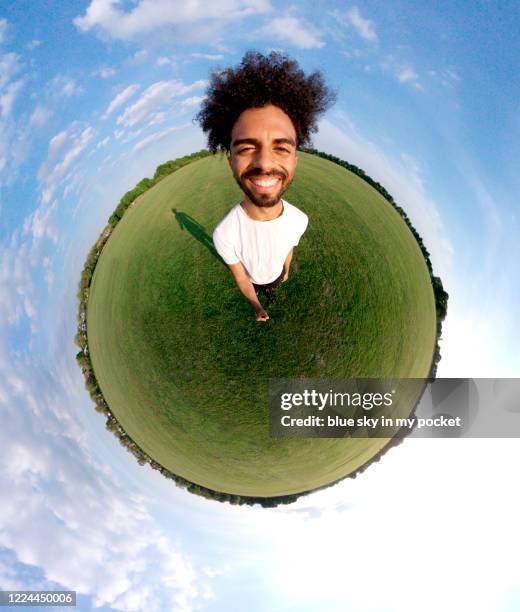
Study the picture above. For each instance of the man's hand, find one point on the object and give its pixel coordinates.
(261, 315)
(285, 276)
(248, 291)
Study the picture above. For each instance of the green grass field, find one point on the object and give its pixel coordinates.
(184, 366)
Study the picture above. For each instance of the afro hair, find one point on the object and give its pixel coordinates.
(260, 80)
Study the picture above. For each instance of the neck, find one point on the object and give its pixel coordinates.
(262, 213)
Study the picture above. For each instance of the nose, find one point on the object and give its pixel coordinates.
(263, 159)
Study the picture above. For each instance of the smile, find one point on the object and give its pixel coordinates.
(265, 182)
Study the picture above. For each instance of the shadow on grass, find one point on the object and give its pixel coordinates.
(186, 222)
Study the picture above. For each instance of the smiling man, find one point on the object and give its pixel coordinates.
(259, 114)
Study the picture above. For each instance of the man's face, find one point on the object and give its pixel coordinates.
(263, 154)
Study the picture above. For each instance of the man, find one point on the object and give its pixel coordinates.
(260, 113)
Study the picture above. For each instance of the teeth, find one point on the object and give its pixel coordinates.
(264, 183)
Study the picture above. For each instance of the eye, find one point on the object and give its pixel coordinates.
(245, 149)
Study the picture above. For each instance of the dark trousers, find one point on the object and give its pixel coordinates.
(269, 289)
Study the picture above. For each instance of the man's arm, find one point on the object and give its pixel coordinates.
(287, 265)
(248, 291)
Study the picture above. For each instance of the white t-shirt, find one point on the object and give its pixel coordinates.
(261, 246)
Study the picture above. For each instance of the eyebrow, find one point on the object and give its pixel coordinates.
(254, 141)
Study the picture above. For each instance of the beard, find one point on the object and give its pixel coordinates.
(263, 200)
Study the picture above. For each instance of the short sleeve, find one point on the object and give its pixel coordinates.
(224, 248)
(301, 227)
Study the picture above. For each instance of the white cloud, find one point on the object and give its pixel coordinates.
(121, 98)
(403, 71)
(149, 15)
(9, 575)
(400, 68)
(64, 148)
(72, 182)
(78, 144)
(57, 142)
(40, 223)
(15, 134)
(77, 139)
(106, 72)
(70, 88)
(39, 116)
(16, 283)
(406, 74)
(193, 101)
(364, 27)
(8, 97)
(165, 61)
(132, 134)
(157, 118)
(9, 66)
(48, 277)
(59, 491)
(64, 86)
(157, 136)
(153, 97)
(213, 57)
(291, 30)
(103, 143)
(139, 57)
(32, 44)
(59, 488)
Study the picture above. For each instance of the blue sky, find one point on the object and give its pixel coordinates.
(93, 95)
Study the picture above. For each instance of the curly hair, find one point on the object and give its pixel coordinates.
(260, 80)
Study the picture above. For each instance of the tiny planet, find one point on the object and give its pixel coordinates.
(182, 370)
